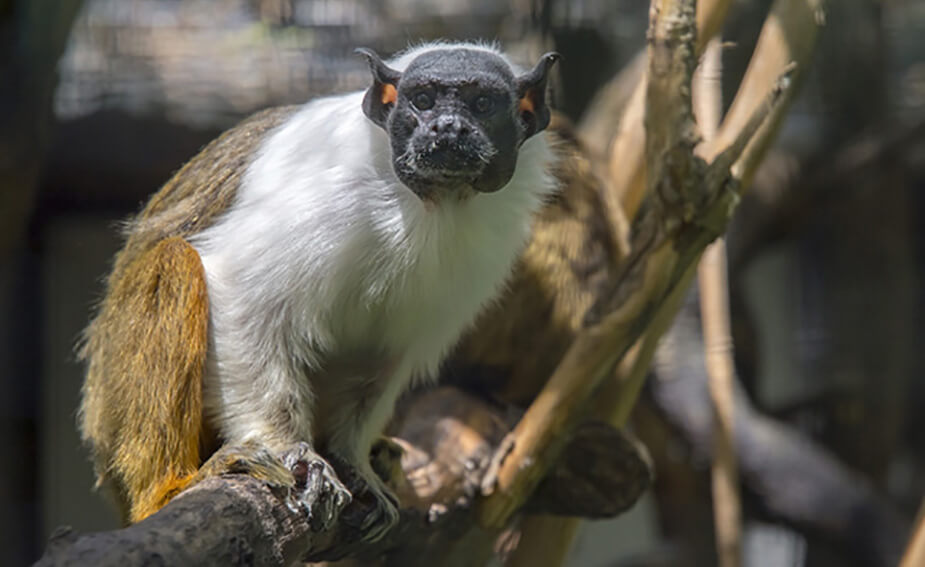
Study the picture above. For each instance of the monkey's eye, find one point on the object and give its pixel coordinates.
(483, 104)
(422, 101)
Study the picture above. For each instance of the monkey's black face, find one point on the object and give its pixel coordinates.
(456, 119)
(455, 124)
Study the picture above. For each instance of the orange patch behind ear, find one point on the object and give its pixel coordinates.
(389, 94)
(526, 105)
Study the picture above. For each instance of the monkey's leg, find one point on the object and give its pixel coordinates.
(142, 400)
(142, 409)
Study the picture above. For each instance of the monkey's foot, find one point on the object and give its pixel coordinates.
(317, 488)
(375, 508)
(312, 485)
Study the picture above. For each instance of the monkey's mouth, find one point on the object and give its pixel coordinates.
(438, 174)
(440, 168)
(451, 160)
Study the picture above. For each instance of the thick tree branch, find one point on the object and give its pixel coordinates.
(616, 120)
(447, 437)
(233, 520)
(618, 395)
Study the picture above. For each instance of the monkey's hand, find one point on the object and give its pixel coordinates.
(309, 480)
(375, 508)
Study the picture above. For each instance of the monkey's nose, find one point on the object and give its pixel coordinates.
(449, 126)
(448, 145)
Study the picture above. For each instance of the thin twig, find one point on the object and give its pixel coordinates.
(708, 90)
(788, 36)
(717, 337)
(717, 334)
(734, 152)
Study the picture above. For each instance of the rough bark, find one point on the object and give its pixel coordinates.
(233, 520)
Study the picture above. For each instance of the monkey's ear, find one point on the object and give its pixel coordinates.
(382, 95)
(531, 92)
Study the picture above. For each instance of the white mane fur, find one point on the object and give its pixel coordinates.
(325, 253)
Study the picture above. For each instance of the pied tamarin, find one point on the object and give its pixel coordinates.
(279, 293)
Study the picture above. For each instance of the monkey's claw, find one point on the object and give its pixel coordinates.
(317, 490)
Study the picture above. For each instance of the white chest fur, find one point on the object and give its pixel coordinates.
(325, 253)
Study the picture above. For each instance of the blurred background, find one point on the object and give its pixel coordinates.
(101, 100)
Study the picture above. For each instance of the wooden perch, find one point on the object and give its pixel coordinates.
(447, 437)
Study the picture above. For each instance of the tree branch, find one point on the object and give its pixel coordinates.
(718, 350)
(448, 438)
(232, 520)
